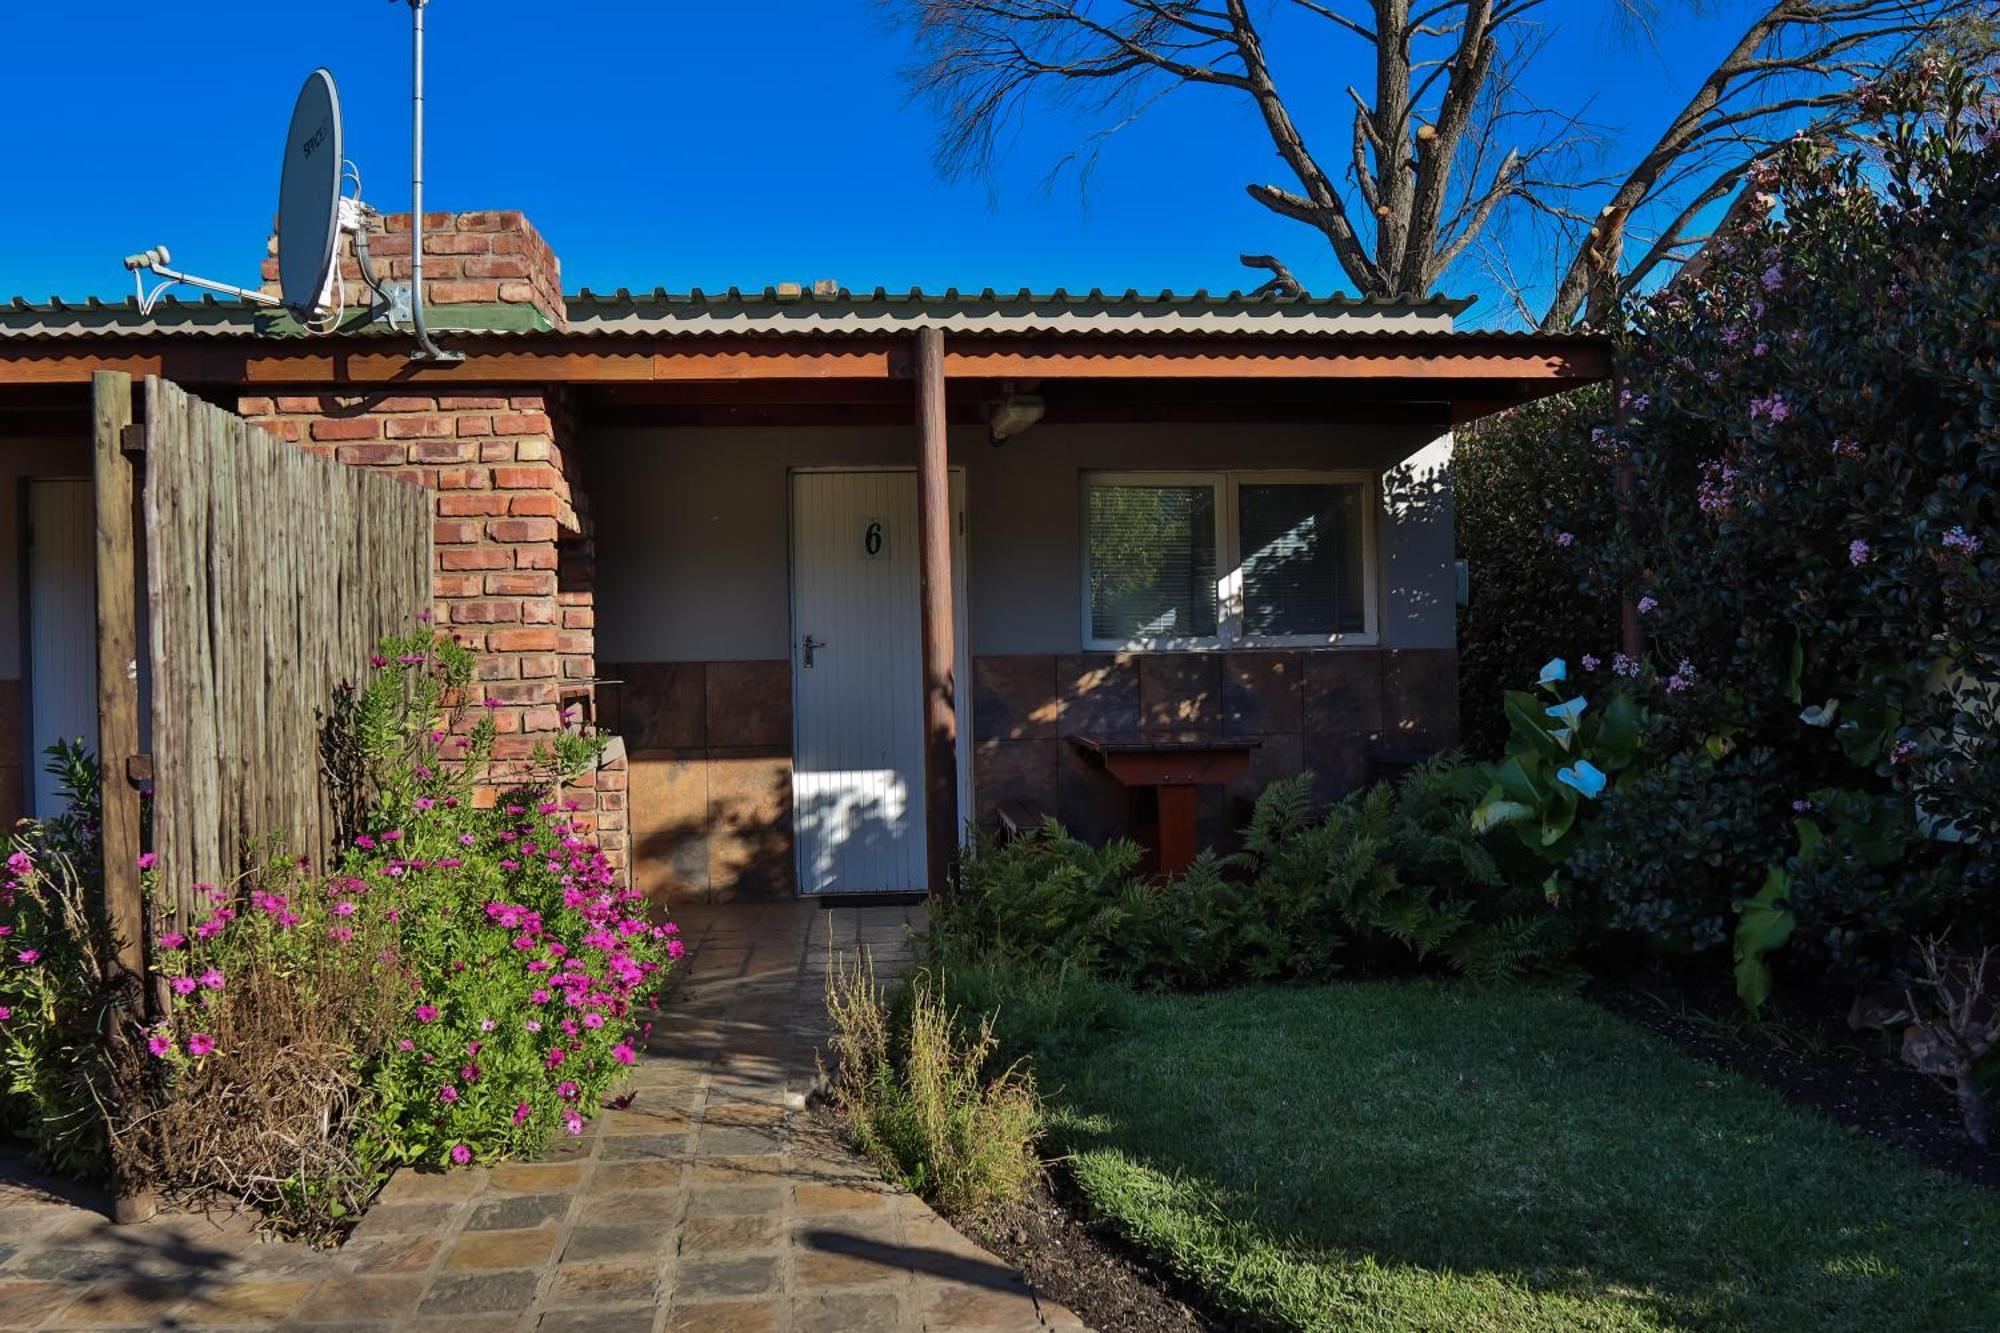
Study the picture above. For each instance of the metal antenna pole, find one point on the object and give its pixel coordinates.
(426, 349)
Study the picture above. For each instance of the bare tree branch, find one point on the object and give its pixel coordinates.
(1445, 150)
(1282, 282)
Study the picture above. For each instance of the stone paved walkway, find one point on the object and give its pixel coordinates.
(711, 1202)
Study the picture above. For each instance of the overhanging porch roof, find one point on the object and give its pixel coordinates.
(1472, 371)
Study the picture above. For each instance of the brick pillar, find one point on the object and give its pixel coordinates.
(515, 565)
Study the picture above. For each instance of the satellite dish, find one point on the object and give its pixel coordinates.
(309, 195)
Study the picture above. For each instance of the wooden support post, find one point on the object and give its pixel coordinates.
(118, 714)
(117, 654)
(934, 543)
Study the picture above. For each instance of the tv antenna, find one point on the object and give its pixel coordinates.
(313, 213)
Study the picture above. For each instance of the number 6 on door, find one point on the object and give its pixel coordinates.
(875, 538)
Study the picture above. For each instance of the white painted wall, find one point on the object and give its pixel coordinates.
(692, 557)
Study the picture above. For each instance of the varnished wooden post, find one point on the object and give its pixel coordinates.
(934, 545)
(118, 716)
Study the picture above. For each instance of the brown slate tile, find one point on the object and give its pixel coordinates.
(484, 1250)
(1263, 693)
(660, 705)
(726, 1317)
(667, 816)
(1180, 692)
(1014, 697)
(1099, 693)
(1004, 771)
(750, 828)
(1420, 698)
(749, 705)
(1343, 693)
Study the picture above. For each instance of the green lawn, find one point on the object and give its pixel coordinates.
(1437, 1157)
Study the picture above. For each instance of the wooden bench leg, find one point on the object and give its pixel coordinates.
(1177, 847)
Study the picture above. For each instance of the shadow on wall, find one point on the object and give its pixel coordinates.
(711, 830)
(734, 840)
(1422, 583)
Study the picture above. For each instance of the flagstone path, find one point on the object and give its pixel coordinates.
(712, 1202)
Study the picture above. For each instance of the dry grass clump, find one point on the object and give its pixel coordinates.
(272, 1117)
(913, 1093)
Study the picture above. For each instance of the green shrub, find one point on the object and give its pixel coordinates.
(1390, 880)
(56, 992)
(1523, 487)
(1674, 850)
(914, 1090)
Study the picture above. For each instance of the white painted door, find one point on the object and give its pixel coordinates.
(857, 680)
(62, 626)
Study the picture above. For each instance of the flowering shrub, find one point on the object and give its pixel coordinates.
(466, 981)
(1807, 429)
(520, 967)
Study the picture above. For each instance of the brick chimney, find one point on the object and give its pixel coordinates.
(492, 259)
(514, 577)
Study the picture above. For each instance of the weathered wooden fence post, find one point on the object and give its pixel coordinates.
(118, 717)
(117, 667)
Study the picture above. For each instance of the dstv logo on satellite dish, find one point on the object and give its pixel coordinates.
(314, 213)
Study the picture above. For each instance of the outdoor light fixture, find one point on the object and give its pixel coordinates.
(1014, 413)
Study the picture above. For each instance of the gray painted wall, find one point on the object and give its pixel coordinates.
(692, 553)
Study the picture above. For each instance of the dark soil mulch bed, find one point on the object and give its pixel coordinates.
(1816, 1062)
(1071, 1263)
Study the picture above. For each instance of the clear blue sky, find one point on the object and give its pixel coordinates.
(658, 142)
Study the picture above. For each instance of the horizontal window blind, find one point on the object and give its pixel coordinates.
(1152, 562)
(1302, 559)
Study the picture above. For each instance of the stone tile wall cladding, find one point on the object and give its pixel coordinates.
(710, 744)
(710, 749)
(513, 548)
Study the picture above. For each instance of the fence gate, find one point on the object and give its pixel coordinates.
(270, 573)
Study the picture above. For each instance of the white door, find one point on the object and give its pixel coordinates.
(857, 680)
(62, 626)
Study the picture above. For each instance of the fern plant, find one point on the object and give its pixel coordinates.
(1391, 880)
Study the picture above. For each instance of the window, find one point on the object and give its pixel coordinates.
(1191, 560)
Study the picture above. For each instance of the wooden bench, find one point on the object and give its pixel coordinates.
(1019, 818)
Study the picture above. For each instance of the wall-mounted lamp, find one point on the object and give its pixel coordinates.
(1014, 413)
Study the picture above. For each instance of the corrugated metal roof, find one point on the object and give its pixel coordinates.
(988, 311)
(775, 311)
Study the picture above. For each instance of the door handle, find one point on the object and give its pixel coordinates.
(810, 645)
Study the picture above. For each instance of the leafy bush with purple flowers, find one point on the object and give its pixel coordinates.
(1812, 532)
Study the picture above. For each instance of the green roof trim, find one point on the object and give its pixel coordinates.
(481, 317)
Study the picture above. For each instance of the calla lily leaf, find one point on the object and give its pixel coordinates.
(1492, 814)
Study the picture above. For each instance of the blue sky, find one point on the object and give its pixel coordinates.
(665, 143)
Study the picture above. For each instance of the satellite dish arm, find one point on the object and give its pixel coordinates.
(155, 261)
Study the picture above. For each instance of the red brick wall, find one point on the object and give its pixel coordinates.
(515, 563)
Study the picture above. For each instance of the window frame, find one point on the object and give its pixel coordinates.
(1227, 484)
